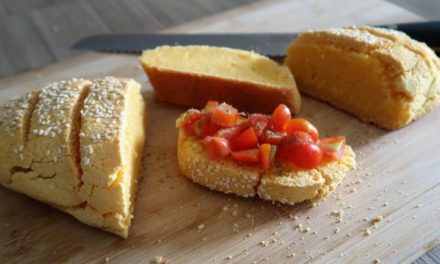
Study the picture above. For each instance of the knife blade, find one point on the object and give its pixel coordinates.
(270, 44)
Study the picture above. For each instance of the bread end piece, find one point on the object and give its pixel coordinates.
(192, 75)
(381, 76)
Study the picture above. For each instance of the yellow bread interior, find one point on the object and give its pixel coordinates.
(281, 184)
(381, 76)
(61, 149)
(219, 62)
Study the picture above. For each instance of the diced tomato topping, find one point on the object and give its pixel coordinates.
(224, 115)
(300, 150)
(271, 137)
(229, 132)
(332, 148)
(204, 127)
(280, 117)
(259, 122)
(267, 155)
(248, 156)
(300, 124)
(217, 147)
(210, 106)
(246, 140)
(190, 119)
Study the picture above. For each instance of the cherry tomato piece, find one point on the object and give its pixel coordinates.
(204, 127)
(210, 106)
(300, 124)
(271, 137)
(280, 117)
(189, 120)
(246, 140)
(248, 156)
(259, 122)
(217, 147)
(229, 132)
(332, 148)
(267, 155)
(224, 115)
(299, 149)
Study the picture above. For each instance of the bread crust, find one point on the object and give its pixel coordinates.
(379, 75)
(195, 89)
(281, 184)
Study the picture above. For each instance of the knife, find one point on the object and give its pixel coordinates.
(270, 44)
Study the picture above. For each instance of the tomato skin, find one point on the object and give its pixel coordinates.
(217, 147)
(259, 122)
(204, 127)
(332, 148)
(300, 124)
(224, 115)
(267, 155)
(229, 132)
(271, 137)
(280, 117)
(190, 119)
(249, 156)
(245, 140)
(300, 150)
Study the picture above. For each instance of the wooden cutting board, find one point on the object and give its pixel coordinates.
(397, 177)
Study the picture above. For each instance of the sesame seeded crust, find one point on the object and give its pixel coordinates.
(112, 140)
(51, 147)
(192, 75)
(56, 137)
(14, 126)
(379, 75)
(222, 175)
(281, 184)
(290, 186)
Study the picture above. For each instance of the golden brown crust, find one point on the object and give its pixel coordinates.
(195, 89)
(379, 75)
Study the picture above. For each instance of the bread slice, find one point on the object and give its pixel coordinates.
(192, 75)
(112, 141)
(381, 76)
(281, 184)
(82, 148)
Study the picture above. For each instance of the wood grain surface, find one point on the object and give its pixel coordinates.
(397, 177)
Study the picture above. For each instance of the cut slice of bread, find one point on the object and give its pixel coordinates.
(77, 146)
(379, 75)
(192, 75)
(281, 184)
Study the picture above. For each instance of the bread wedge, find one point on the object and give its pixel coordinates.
(281, 184)
(192, 75)
(77, 146)
(381, 76)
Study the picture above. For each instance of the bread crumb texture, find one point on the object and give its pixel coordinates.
(77, 146)
(381, 76)
(281, 184)
(192, 75)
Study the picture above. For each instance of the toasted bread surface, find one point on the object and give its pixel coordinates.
(192, 75)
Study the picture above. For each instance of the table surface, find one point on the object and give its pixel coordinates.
(244, 19)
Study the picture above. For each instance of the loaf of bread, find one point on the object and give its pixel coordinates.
(281, 184)
(381, 76)
(77, 146)
(192, 75)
